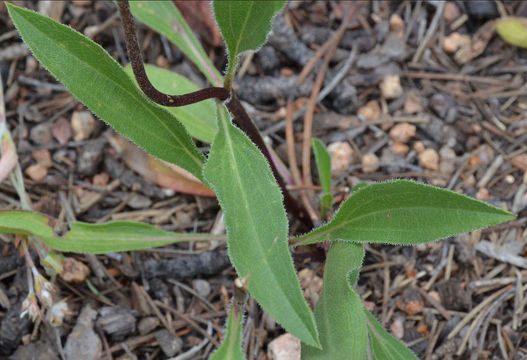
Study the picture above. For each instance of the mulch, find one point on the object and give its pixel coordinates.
(420, 90)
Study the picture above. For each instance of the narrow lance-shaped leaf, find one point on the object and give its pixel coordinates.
(165, 18)
(384, 346)
(340, 320)
(244, 25)
(231, 347)
(405, 212)
(99, 82)
(93, 238)
(323, 161)
(256, 225)
(198, 118)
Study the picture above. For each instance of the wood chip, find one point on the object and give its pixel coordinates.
(36, 172)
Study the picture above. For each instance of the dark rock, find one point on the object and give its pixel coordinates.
(83, 343)
(268, 60)
(453, 296)
(147, 324)
(393, 162)
(169, 343)
(41, 134)
(204, 264)
(118, 170)
(265, 89)
(441, 132)
(444, 106)
(283, 39)
(364, 40)
(117, 321)
(394, 47)
(90, 158)
(371, 60)
(13, 328)
(344, 97)
(161, 291)
(482, 9)
(39, 350)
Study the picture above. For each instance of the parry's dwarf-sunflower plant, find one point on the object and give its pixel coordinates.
(137, 102)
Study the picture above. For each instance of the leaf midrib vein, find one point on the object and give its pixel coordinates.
(245, 201)
(328, 229)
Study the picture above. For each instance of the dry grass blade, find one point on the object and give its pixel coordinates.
(308, 119)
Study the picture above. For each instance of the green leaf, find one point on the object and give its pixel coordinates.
(165, 18)
(383, 345)
(244, 25)
(198, 118)
(25, 223)
(323, 161)
(93, 238)
(231, 347)
(256, 226)
(98, 81)
(340, 320)
(405, 212)
(513, 30)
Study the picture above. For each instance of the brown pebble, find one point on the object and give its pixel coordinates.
(412, 103)
(391, 87)
(83, 124)
(286, 72)
(397, 25)
(483, 194)
(284, 347)
(370, 111)
(162, 62)
(101, 179)
(454, 42)
(370, 163)
(419, 147)
(397, 327)
(341, 157)
(402, 132)
(400, 148)
(42, 157)
(429, 159)
(74, 271)
(520, 161)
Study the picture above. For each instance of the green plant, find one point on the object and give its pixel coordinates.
(240, 171)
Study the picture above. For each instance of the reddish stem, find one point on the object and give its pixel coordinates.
(240, 117)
